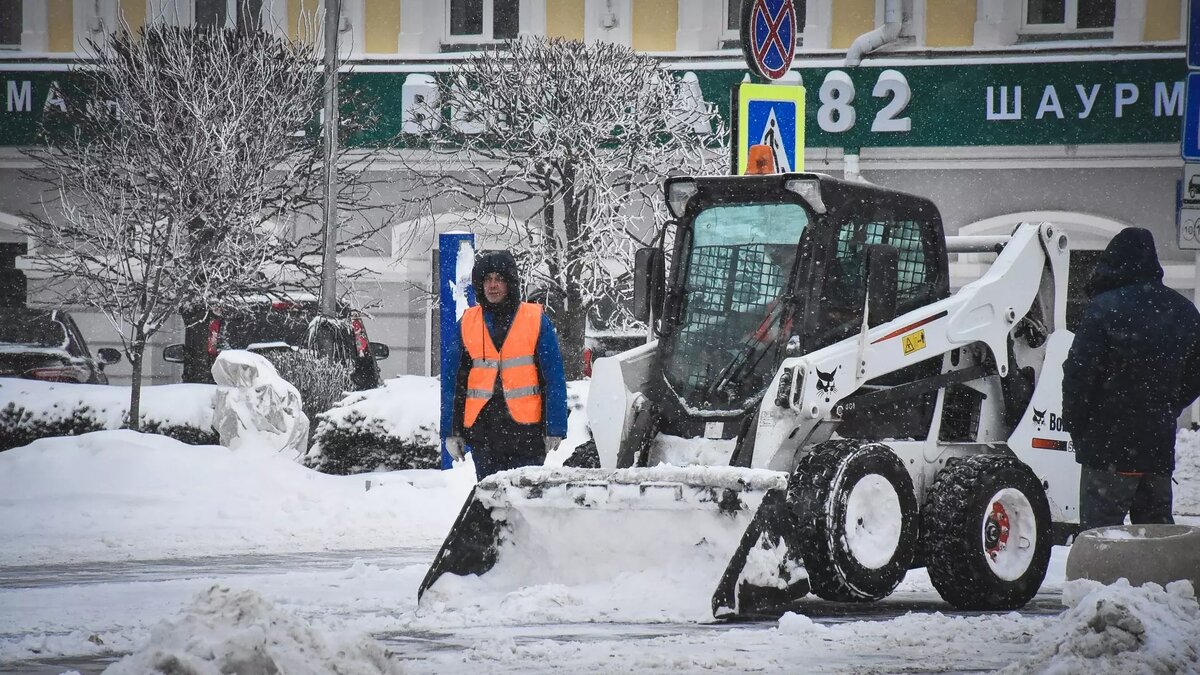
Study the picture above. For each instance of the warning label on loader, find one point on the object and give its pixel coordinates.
(913, 342)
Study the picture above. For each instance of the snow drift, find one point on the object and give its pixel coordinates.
(227, 631)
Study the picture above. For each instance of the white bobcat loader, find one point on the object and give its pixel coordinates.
(861, 420)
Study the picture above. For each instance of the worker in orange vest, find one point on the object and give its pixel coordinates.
(507, 400)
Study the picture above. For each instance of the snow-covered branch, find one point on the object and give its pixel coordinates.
(189, 177)
(572, 141)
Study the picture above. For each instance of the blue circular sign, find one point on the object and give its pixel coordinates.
(769, 36)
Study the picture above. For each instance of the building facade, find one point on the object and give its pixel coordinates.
(1000, 111)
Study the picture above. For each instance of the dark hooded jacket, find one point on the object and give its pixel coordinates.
(498, 318)
(1134, 364)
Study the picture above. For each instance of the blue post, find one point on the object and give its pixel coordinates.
(456, 255)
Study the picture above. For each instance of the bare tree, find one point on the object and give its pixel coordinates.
(568, 144)
(187, 179)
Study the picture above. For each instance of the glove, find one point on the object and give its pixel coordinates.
(552, 443)
(454, 446)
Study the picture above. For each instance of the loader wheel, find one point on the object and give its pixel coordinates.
(857, 516)
(986, 533)
(585, 456)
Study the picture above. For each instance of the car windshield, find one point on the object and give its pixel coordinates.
(38, 330)
(738, 266)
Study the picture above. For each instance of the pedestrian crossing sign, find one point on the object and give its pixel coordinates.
(771, 115)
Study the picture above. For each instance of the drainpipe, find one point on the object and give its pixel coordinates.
(868, 42)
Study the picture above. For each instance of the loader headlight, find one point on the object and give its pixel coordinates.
(679, 192)
(809, 190)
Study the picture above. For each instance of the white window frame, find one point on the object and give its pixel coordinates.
(1069, 24)
(728, 33)
(484, 37)
(33, 37)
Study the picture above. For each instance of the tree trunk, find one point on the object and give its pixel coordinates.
(571, 331)
(195, 341)
(136, 352)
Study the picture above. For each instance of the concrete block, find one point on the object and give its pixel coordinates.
(1139, 553)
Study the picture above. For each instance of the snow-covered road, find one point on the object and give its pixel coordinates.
(194, 560)
(107, 609)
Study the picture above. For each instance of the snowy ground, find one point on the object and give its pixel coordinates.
(233, 589)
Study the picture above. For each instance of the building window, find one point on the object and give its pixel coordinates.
(11, 24)
(243, 14)
(731, 32)
(1090, 17)
(475, 21)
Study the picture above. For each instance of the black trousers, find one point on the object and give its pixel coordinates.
(1106, 496)
(499, 443)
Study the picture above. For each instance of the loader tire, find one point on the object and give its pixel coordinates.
(858, 520)
(986, 533)
(585, 456)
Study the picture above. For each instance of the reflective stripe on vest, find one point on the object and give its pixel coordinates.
(514, 362)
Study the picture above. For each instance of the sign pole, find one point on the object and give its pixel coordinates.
(328, 301)
(1188, 218)
(765, 114)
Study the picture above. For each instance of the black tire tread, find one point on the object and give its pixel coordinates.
(809, 492)
(949, 539)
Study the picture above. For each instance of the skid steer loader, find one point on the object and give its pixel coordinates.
(854, 418)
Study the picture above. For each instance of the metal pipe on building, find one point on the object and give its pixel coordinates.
(893, 16)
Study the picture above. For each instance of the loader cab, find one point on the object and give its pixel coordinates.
(860, 221)
(731, 294)
(761, 260)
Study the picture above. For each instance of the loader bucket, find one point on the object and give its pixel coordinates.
(682, 526)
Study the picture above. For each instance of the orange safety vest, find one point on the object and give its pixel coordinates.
(514, 361)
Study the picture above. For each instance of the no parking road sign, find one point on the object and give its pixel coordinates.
(771, 115)
(769, 36)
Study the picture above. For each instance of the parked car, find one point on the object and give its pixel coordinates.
(265, 323)
(45, 344)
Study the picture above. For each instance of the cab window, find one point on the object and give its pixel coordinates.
(844, 290)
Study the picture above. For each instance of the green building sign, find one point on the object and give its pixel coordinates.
(1128, 99)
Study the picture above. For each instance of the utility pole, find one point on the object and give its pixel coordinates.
(333, 13)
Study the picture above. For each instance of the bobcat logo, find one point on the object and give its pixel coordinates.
(1039, 418)
(825, 383)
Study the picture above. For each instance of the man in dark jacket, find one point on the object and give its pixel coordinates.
(507, 399)
(1133, 368)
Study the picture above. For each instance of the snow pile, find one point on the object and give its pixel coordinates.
(1120, 629)
(226, 631)
(688, 451)
(104, 406)
(792, 623)
(570, 548)
(406, 408)
(114, 495)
